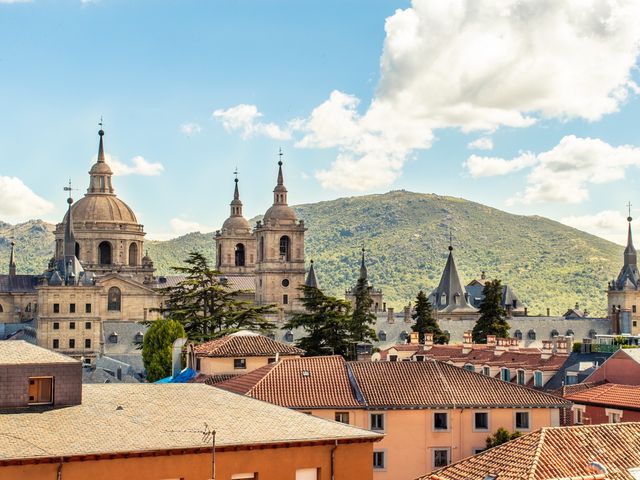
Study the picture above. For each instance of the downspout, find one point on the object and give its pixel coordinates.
(59, 473)
(333, 459)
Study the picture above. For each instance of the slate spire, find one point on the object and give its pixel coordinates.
(630, 256)
(450, 294)
(236, 203)
(12, 262)
(280, 192)
(312, 280)
(363, 267)
(629, 275)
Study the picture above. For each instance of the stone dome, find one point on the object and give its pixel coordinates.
(280, 212)
(102, 208)
(100, 168)
(236, 223)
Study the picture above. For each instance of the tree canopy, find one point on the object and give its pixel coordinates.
(207, 307)
(492, 314)
(157, 347)
(501, 436)
(425, 322)
(362, 318)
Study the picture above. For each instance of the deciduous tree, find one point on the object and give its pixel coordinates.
(157, 347)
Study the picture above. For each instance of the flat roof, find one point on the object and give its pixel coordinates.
(19, 352)
(121, 418)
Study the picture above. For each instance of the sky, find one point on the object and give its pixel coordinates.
(528, 106)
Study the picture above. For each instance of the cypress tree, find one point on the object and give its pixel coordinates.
(424, 321)
(492, 315)
(363, 318)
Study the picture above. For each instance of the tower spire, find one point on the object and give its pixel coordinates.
(363, 267)
(280, 192)
(69, 241)
(312, 280)
(236, 203)
(100, 173)
(101, 146)
(12, 262)
(629, 275)
(630, 256)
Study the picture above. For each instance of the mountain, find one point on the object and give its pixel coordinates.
(406, 236)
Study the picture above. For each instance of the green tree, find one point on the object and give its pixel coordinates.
(424, 321)
(325, 322)
(362, 318)
(207, 307)
(492, 314)
(501, 436)
(157, 346)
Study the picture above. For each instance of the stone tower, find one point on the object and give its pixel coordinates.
(623, 293)
(280, 252)
(108, 237)
(235, 242)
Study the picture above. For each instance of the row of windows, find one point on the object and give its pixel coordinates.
(105, 255)
(114, 303)
(72, 308)
(72, 325)
(531, 334)
(440, 457)
(505, 375)
(72, 343)
(284, 249)
(441, 421)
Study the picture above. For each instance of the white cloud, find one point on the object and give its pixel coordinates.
(492, 166)
(139, 166)
(245, 118)
(563, 173)
(190, 129)
(475, 65)
(608, 224)
(19, 203)
(482, 143)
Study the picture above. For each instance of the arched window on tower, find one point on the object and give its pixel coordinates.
(114, 299)
(219, 255)
(104, 250)
(285, 248)
(261, 250)
(133, 254)
(1, 308)
(239, 255)
(77, 250)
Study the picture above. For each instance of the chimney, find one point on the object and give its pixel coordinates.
(563, 345)
(467, 342)
(547, 349)
(514, 345)
(491, 340)
(548, 312)
(526, 311)
(390, 317)
(119, 373)
(415, 338)
(428, 340)
(176, 356)
(384, 306)
(502, 345)
(407, 314)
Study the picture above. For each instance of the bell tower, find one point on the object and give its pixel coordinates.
(280, 252)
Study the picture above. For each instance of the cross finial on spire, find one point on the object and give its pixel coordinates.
(629, 205)
(235, 172)
(280, 154)
(69, 189)
(450, 240)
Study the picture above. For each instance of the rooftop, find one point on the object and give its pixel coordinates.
(245, 344)
(609, 394)
(19, 352)
(121, 418)
(556, 453)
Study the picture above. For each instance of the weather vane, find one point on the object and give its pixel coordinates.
(100, 122)
(280, 155)
(629, 205)
(235, 172)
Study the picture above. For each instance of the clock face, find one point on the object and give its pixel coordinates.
(285, 282)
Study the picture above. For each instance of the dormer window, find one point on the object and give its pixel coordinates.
(113, 338)
(505, 374)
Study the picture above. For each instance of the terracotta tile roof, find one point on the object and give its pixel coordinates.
(118, 418)
(14, 352)
(555, 453)
(212, 379)
(610, 394)
(567, 390)
(438, 384)
(243, 344)
(307, 382)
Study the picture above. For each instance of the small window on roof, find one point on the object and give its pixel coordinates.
(570, 333)
(382, 336)
(113, 338)
(288, 337)
(592, 333)
(531, 334)
(404, 335)
(518, 334)
(554, 333)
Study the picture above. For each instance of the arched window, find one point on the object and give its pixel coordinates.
(554, 333)
(240, 255)
(261, 250)
(288, 337)
(219, 255)
(531, 334)
(133, 254)
(403, 335)
(592, 333)
(104, 250)
(570, 333)
(285, 248)
(114, 299)
(382, 336)
(1, 309)
(77, 250)
(469, 367)
(518, 334)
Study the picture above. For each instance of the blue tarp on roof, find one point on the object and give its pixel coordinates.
(183, 377)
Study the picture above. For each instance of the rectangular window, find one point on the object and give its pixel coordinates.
(198, 364)
(505, 375)
(87, 325)
(419, 358)
(633, 309)
(481, 421)
(440, 421)
(376, 422)
(40, 390)
(56, 308)
(378, 460)
(440, 457)
(522, 420)
(239, 363)
(342, 417)
(271, 360)
(486, 371)
(393, 358)
(469, 367)
(72, 308)
(87, 343)
(570, 379)
(537, 379)
(56, 343)
(520, 377)
(87, 308)
(307, 474)
(615, 416)
(56, 326)
(72, 325)
(578, 414)
(72, 343)
(285, 299)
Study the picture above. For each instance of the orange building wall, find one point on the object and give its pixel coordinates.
(410, 438)
(352, 461)
(618, 368)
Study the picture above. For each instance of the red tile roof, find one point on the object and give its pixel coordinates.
(308, 382)
(609, 394)
(438, 384)
(250, 345)
(555, 453)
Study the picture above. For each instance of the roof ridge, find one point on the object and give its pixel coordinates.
(537, 453)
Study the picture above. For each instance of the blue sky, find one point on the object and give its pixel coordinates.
(363, 97)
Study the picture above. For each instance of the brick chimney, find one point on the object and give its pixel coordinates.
(467, 342)
(491, 340)
(514, 345)
(407, 314)
(563, 345)
(414, 339)
(502, 345)
(547, 349)
(390, 317)
(428, 340)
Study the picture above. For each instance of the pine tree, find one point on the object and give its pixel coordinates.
(362, 318)
(207, 307)
(492, 314)
(157, 347)
(325, 323)
(424, 321)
